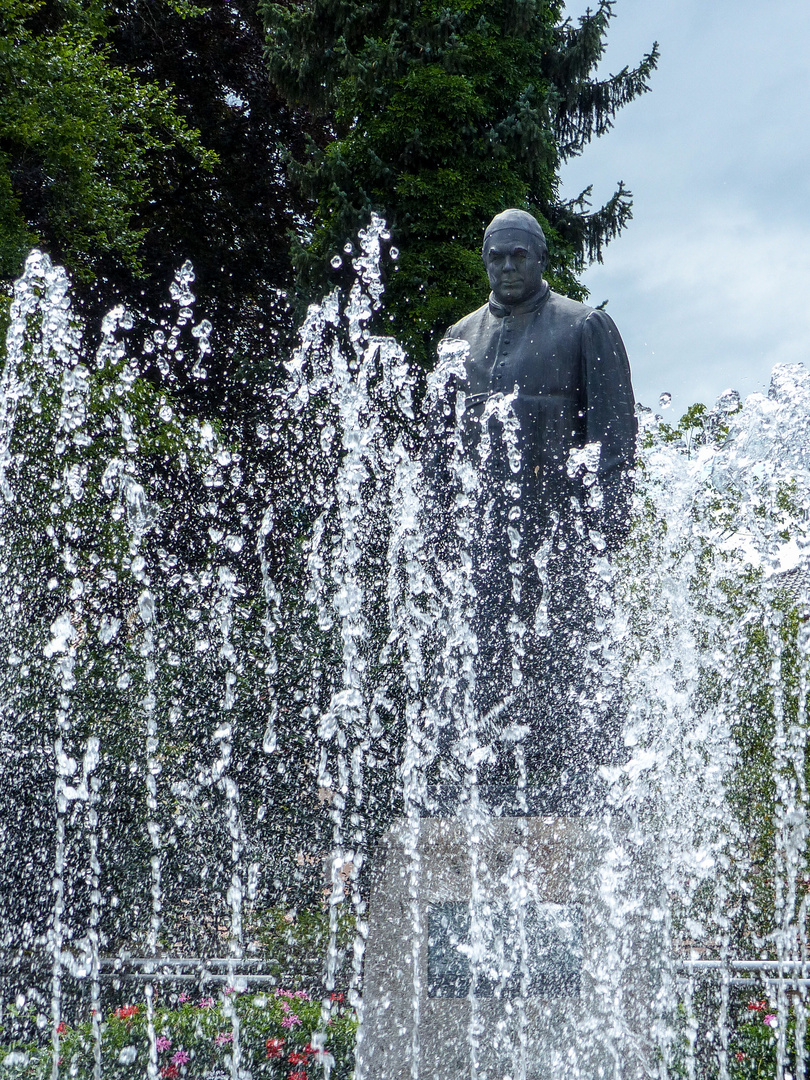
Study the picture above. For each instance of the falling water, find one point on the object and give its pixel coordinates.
(317, 630)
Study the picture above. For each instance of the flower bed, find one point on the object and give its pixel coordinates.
(280, 1035)
(754, 1043)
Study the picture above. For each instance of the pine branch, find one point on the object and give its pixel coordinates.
(587, 109)
(588, 234)
(577, 50)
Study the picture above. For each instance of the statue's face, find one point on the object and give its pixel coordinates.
(515, 265)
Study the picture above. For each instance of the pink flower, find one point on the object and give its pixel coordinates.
(205, 1003)
(224, 1037)
(290, 1021)
(284, 993)
(184, 997)
(770, 1020)
(180, 1058)
(163, 1042)
(303, 995)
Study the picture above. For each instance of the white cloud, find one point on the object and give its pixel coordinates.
(709, 301)
(708, 285)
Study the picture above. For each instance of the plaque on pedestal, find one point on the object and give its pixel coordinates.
(542, 964)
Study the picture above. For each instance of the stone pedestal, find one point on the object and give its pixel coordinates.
(542, 965)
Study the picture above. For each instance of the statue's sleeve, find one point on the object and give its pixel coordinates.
(610, 420)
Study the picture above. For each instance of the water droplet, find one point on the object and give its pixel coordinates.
(146, 606)
(336, 262)
(393, 252)
(729, 401)
(108, 629)
(665, 400)
(15, 1059)
(165, 413)
(202, 329)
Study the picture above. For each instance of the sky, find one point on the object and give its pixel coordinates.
(710, 283)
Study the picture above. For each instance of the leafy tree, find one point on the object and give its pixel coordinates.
(445, 114)
(79, 140)
(136, 135)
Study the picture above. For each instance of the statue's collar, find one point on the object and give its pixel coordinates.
(532, 304)
(523, 308)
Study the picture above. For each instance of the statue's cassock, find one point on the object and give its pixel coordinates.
(567, 367)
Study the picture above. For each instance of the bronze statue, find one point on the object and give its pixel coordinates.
(565, 506)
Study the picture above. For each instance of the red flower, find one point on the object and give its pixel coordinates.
(275, 1048)
(297, 1076)
(758, 1006)
(337, 997)
(171, 1072)
(126, 1012)
(740, 1056)
(299, 1059)
(61, 1027)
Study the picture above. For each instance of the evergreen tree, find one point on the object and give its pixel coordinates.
(232, 221)
(444, 114)
(79, 140)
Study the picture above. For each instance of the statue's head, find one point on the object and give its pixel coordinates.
(515, 255)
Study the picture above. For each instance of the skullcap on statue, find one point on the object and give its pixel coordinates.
(515, 219)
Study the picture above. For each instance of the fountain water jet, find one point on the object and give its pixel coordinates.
(720, 532)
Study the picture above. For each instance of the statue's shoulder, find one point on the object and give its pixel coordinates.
(565, 307)
(572, 311)
(470, 324)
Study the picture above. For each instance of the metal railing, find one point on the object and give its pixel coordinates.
(795, 973)
(260, 971)
(246, 970)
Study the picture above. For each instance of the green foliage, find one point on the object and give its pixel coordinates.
(79, 139)
(444, 116)
(295, 942)
(751, 635)
(691, 421)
